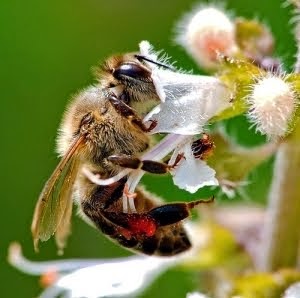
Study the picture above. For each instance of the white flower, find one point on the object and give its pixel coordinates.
(272, 103)
(205, 33)
(188, 101)
(293, 291)
(196, 295)
(191, 174)
(114, 278)
(94, 278)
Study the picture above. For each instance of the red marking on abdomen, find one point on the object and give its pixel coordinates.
(142, 225)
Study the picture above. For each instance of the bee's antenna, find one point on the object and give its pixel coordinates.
(193, 204)
(141, 57)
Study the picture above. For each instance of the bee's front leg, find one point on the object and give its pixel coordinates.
(203, 147)
(150, 166)
(129, 113)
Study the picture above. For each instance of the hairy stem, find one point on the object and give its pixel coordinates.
(281, 235)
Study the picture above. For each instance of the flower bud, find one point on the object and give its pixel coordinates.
(205, 34)
(272, 103)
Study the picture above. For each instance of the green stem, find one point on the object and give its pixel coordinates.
(281, 236)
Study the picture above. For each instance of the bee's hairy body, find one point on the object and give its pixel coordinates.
(108, 133)
(111, 134)
(101, 122)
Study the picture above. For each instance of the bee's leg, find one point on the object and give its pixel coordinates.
(104, 196)
(129, 113)
(202, 147)
(95, 208)
(169, 214)
(150, 166)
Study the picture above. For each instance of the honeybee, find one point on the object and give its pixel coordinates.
(103, 131)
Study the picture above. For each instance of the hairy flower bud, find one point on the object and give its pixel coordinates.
(205, 34)
(272, 103)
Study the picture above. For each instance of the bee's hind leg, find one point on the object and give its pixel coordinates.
(174, 212)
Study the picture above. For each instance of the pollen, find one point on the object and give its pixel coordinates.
(142, 225)
(207, 33)
(272, 103)
(49, 278)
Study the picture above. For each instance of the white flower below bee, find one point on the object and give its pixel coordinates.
(196, 295)
(113, 278)
(205, 33)
(272, 103)
(94, 278)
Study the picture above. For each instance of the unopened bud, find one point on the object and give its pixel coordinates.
(272, 104)
(205, 34)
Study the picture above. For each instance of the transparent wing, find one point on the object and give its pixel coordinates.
(64, 228)
(55, 199)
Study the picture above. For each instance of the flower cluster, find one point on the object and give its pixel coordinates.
(247, 80)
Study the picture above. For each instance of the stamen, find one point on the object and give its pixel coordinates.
(125, 204)
(131, 205)
(164, 147)
(94, 177)
(129, 194)
(47, 279)
(128, 198)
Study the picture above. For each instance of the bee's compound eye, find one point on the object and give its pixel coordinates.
(131, 70)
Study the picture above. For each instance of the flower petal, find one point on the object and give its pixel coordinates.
(94, 278)
(188, 101)
(191, 173)
(292, 291)
(115, 278)
(195, 295)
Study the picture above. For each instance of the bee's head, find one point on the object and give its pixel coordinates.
(129, 78)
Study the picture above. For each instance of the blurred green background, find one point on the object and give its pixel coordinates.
(47, 49)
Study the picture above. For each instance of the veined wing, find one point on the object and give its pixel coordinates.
(55, 199)
(64, 227)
